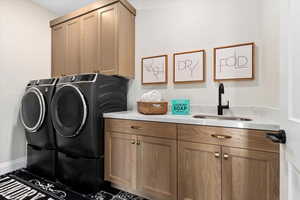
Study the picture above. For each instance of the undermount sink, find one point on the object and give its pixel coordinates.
(221, 118)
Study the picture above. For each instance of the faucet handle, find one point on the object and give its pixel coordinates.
(227, 105)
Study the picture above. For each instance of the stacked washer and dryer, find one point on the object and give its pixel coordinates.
(76, 126)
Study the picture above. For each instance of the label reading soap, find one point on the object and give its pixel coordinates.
(181, 107)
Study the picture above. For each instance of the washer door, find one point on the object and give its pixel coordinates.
(33, 110)
(69, 111)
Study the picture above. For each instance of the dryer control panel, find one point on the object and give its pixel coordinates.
(78, 78)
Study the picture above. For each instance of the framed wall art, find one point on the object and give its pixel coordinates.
(234, 62)
(155, 70)
(189, 67)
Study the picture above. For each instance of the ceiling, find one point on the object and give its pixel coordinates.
(62, 7)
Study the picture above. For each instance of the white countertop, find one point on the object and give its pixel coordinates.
(257, 123)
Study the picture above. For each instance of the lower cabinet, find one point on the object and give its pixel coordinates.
(199, 171)
(120, 159)
(143, 165)
(165, 161)
(157, 168)
(249, 175)
(211, 172)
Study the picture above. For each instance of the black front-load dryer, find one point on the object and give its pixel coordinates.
(34, 113)
(77, 108)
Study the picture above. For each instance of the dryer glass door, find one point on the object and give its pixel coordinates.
(33, 110)
(69, 111)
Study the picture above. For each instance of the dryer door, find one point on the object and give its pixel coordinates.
(69, 111)
(33, 110)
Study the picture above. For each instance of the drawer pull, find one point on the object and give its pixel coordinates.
(226, 156)
(133, 142)
(221, 136)
(135, 127)
(217, 155)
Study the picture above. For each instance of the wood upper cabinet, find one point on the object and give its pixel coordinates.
(58, 50)
(199, 171)
(120, 159)
(73, 47)
(108, 40)
(99, 38)
(249, 175)
(89, 43)
(157, 168)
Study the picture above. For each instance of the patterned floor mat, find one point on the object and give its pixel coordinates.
(22, 185)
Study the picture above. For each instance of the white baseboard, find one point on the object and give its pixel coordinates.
(6, 167)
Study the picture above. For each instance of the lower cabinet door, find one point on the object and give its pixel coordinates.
(249, 175)
(120, 159)
(199, 171)
(157, 168)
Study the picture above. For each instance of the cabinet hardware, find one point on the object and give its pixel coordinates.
(133, 142)
(226, 156)
(277, 137)
(217, 155)
(135, 127)
(221, 136)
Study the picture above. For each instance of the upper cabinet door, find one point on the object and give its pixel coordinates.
(58, 50)
(108, 40)
(249, 175)
(89, 43)
(199, 171)
(157, 168)
(73, 47)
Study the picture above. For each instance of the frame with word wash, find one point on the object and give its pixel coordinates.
(234, 62)
(155, 70)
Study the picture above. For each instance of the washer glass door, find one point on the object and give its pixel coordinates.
(69, 111)
(33, 110)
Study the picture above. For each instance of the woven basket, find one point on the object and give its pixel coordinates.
(153, 108)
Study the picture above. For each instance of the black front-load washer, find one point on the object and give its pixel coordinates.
(34, 113)
(36, 120)
(76, 109)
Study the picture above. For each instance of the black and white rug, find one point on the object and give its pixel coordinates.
(22, 185)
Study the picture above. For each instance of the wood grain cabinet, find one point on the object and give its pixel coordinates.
(157, 168)
(97, 38)
(199, 171)
(249, 175)
(140, 164)
(234, 164)
(89, 42)
(72, 53)
(166, 161)
(120, 159)
(58, 50)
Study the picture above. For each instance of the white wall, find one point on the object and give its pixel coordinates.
(25, 54)
(166, 27)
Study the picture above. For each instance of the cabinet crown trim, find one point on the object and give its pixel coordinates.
(90, 8)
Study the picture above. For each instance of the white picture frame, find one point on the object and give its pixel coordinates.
(189, 67)
(155, 70)
(234, 62)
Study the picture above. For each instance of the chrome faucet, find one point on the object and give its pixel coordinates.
(220, 106)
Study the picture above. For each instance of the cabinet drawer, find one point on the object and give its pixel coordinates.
(241, 138)
(154, 129)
